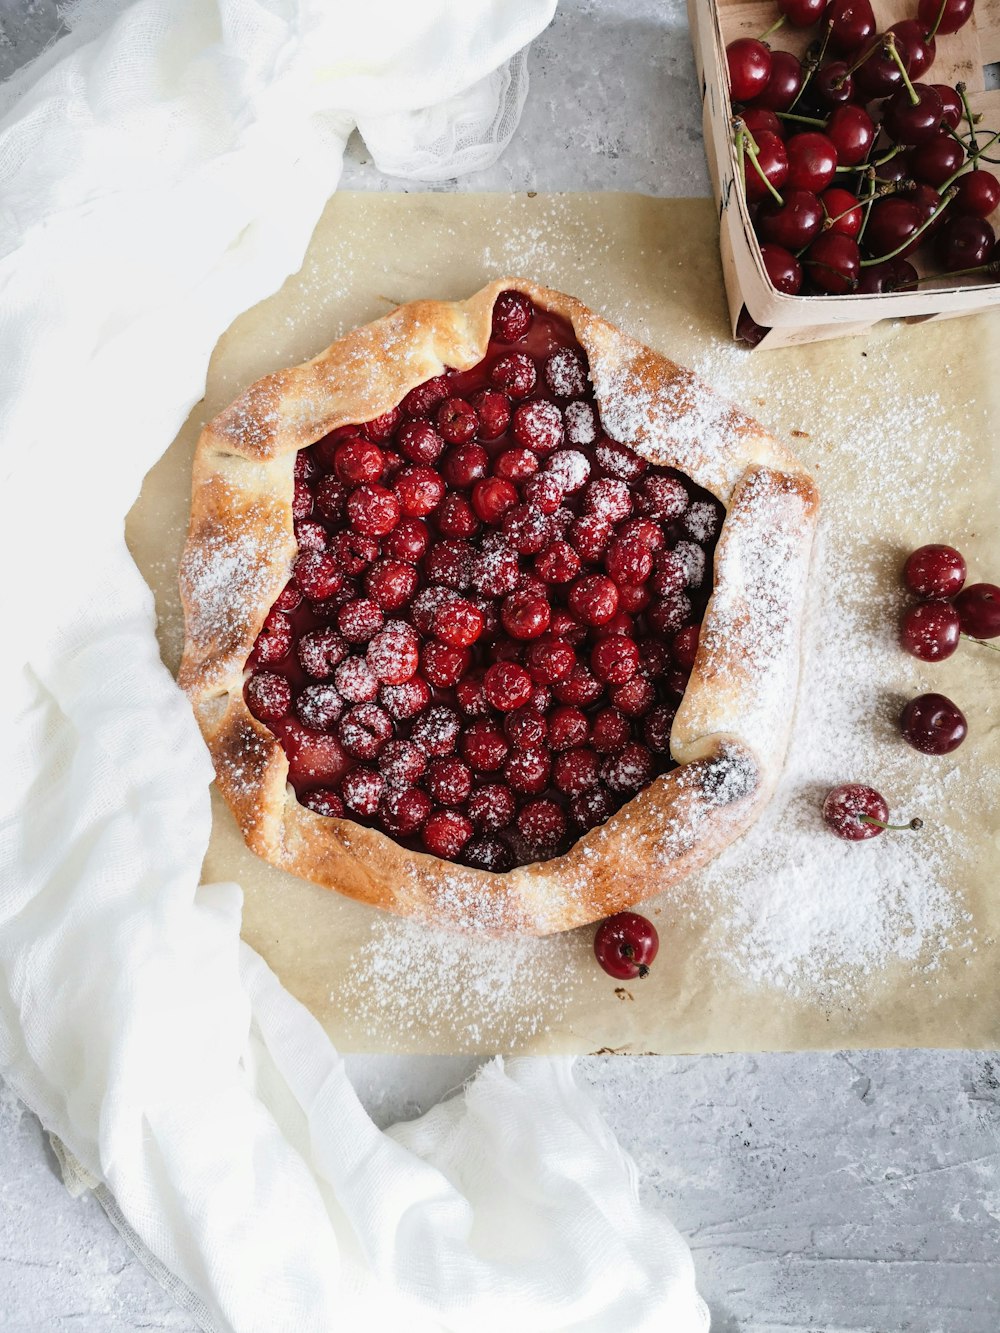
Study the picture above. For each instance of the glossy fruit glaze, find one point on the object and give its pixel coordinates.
(493, 613)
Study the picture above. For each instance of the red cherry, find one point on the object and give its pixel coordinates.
(893, 275)
(418, 491)
(380, 428)
(772, 158)
(268, 696)
(322, 801)
(443, 664)
(891, 225)
(457, 421)
(802, 13)
(419, 442)
(319, 706)
(749, 63)
(359, 619)
(932, 724)
(437, 731)
(402, 763)
(615, 659)
(935, 571)
(879, 76)
(449, 781)
(856, 813)
(515, 374)
(364, 729)
(965, 242)
(978, 194)
(404, 811)
(317, 575)
(783, 270)
(525, 615)
(625, 945)
(464, 466)
(507, 686)
(528, 770)
(936, 159)
(853, 24)
(832, 84)
(373, 511)
(422, 400)
(593, 599)
(356, 680)
(492, 807)
(458, 622)
(538, 426)
(978, 608)
(512, 316)
(542, 824)
(794, 223)
(946, 16)
(916, 48)
(833, 263)
(405, 700)
(492, 497)
(357, 460)
(445, 833)
(852, 132)
(812, 161)
(912, 123)
(952, 103)
(493, 410)
(844, 207)
(930, 631)
(783, 86)
(361, 790)
(759, 120)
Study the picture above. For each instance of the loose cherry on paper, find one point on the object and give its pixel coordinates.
(856, 812)
(935, 571)
(625, 945)
(932, 724)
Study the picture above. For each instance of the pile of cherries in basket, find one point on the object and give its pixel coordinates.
(948, 611)
(852, 162)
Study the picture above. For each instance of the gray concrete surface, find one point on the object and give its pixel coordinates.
(844, 1193)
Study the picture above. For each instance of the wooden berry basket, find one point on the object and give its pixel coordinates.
(803, 319)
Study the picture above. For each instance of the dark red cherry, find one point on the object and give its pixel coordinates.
(852, 132)
(748, 330)
(853, 25)
(891, 224)
(857, 813)
(842, 210)
(792, 224)
(772, 158)
(879, 75)
(978, 193)
(932, 724)
(812, 161)
(912, 123)
(895, 171)
(625, 945)
(934, 571)
(892, 275)
(802, 13)
(944, 16)
(783, 269)
(952, 103)
(759, 120)
(978, 608)
(965, 242)
(930, 631)
(749, 62)
(783, 85)
(833, 263)
(927, 199)
(917, 49)
(832, 85)
(936, 159)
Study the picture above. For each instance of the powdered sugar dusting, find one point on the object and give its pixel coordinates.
(800, 910)
(412, 981)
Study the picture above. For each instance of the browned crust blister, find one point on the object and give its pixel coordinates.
(731, 730)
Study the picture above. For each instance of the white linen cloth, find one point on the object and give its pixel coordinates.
(160, 171)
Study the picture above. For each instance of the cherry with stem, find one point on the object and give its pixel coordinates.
(946, 199)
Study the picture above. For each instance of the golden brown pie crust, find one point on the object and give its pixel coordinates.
(731, 731)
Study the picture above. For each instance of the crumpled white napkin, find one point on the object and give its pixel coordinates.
(161, 171)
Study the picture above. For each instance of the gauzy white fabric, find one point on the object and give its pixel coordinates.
(161, 171)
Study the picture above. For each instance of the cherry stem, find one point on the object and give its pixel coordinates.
(946, 199)
(866, 54)
(937, 22)
(778, 23)
(982, 642)
(914, 824)
(992, 267)
(812, 64)
(643, 970)
(749, 145)
(889, 48)
(962, 91)
(805, 120)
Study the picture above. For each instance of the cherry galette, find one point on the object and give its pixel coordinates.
(449, 596)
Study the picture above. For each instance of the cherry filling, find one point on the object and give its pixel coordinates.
(493, 611)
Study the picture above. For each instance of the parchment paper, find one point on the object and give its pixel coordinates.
(650, 265)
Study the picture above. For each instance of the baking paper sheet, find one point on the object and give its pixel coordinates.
(650, 265)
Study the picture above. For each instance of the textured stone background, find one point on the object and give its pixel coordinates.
(846, 1193)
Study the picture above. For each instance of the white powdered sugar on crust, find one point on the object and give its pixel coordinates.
(414, 982)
